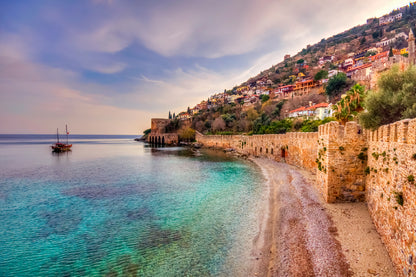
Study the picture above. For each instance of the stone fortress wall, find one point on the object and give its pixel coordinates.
(391, 190)
(158, 135)
(352, 164)
(341, 162)
(293, 148)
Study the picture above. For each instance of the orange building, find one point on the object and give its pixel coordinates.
(304, 87)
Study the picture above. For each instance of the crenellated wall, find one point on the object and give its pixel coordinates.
(391, 190)
(351, 165)
(341, 161)
(293, 148)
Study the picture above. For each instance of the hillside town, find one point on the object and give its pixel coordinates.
(379, 47)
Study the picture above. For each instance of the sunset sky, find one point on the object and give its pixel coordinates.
(107, 67)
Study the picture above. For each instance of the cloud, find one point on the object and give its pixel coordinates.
(214, 29)
(36, 98)
(108, 39)
(42, 63)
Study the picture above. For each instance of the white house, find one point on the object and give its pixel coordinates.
(389, 18)
(323, 110)
(348, 62)
(332, 73)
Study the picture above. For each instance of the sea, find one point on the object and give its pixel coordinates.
(117, 207)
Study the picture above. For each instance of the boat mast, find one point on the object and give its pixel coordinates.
(57, 135)
(66, 129)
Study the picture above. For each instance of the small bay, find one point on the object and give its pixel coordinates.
(116, 207)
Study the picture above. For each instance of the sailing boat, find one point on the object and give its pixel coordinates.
(61, 147)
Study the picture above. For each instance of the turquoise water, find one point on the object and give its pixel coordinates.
(114, 207)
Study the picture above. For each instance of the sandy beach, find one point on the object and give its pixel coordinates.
(301, 235)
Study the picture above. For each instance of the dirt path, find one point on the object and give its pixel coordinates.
(301, 239)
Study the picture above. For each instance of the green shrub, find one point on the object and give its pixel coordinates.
(336, 84)
(394, 100)
(399, 198)
(362, 156)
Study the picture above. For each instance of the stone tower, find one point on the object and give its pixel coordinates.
(411, 47)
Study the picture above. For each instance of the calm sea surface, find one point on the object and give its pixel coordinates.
(115, 207)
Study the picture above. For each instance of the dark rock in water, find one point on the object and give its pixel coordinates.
(60, 222)
(139, 214)
(129, 268)
(243, 156)
(196, 145)
(111, 273)
(156, 237)
(229, 150)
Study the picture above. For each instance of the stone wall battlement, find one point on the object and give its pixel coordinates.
(350, 131)
(391, 190)
(403, 131)
(352, 164)
(294, 148)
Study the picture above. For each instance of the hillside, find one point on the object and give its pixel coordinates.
(297, 93)
(354, 40)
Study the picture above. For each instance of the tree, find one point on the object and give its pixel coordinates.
(187, 134)
(170, 115)
(147, 131)
(252, 114)
(394, 100)
(300, 61)
(173, 126)
(261, 123)
(378, 34)
(278, 109)
(218, 124)
(279, 127)
(264, 98)
(336, 84)
(322, 74)
(350, 105)
(391, 52)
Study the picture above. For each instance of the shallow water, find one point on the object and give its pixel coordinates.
(115, 207)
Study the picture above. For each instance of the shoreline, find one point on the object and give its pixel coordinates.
(302, 235)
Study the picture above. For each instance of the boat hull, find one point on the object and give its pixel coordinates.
(61, 147)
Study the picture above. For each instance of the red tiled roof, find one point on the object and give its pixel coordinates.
(298, 110)
(285, 86)
(380, 55)
(314, 107)
(359, 67)
(320, 105)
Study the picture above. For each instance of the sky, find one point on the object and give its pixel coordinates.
(108, 66)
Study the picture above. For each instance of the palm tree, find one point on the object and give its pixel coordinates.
(350, 105)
